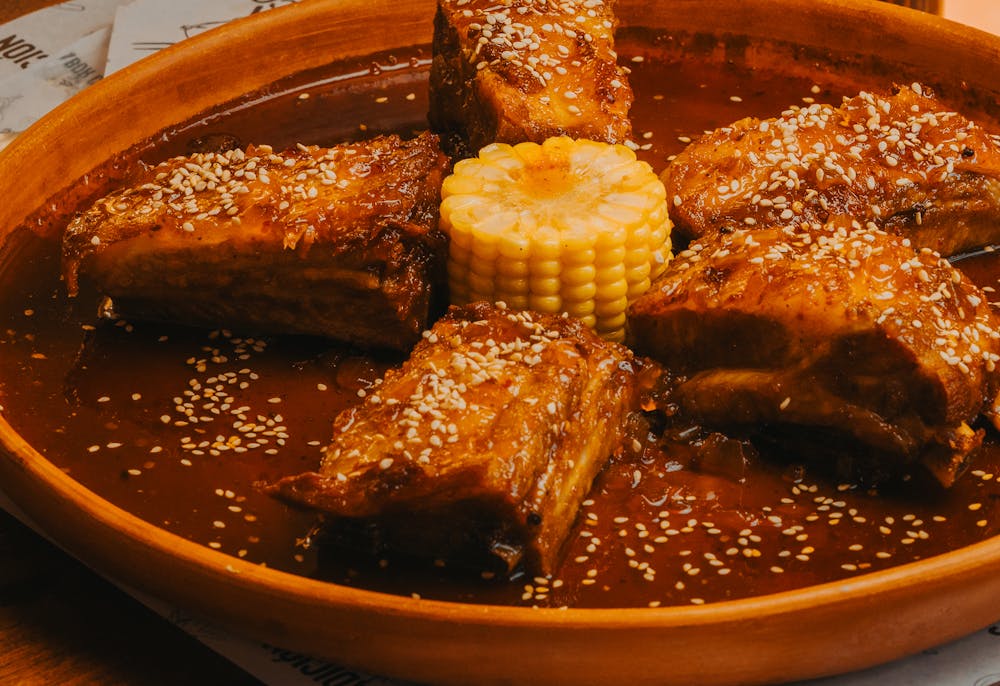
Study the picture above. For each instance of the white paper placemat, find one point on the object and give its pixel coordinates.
(25, 97)
(35, 37)
(145, 26)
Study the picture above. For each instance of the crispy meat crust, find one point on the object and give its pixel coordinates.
(526, 71)
(497, 424)
(902, 162)
(339, 242)
(839, 328)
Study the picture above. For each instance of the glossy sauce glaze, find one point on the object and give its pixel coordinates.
(181, 426)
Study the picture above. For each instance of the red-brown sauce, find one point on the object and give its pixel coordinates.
(180, 426)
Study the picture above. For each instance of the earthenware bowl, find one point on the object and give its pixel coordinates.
(815, 631)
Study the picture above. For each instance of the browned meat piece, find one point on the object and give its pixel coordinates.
(527, 70)
(845, 330)
(339, 242)
(902, 162)
(487, 439)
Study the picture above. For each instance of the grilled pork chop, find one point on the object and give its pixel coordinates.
(903, 163)
(487, 438)
(527, 70)
(838, 328)
(339, 242)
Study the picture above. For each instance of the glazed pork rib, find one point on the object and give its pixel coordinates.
(839, 329)
(485, 441)
(339, 242)
(902, 162)
(526, 70)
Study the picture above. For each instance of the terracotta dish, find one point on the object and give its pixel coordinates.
(815, 631)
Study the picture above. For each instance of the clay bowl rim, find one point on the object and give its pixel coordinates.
(26, 466)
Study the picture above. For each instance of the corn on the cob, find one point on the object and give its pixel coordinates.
(571, 226)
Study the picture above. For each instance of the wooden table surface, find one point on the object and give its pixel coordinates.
(62, 624)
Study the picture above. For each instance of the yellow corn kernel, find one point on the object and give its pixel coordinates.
(571, 226)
